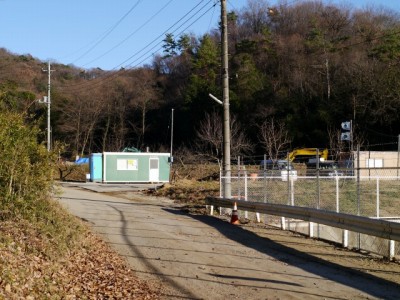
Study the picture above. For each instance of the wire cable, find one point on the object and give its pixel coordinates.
(107, 33)
(380, 133)
(168, 31)
(130, 35)
(181, 32)
(84, 85)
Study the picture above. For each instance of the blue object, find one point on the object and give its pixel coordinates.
(96, 167)
(81, 161)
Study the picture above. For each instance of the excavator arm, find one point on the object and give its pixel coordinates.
(308, 152)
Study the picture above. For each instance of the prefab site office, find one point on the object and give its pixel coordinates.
(127, 167)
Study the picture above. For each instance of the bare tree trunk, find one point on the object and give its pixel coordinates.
(105, 134)
(143, 120)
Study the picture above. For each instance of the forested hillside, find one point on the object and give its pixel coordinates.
(296, 72)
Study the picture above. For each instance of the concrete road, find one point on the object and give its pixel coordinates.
(202, 257)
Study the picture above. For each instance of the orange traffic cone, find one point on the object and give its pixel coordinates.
(235, 216)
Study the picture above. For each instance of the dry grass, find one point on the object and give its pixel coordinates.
(189, 192)
(191, 184)
(35, 263)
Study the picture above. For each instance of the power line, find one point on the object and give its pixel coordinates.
(212, 17)
(181, 32)
(84, 85)
(168, 30)
(144, 57)
(108, 32)
(380, 133)
(130, 35)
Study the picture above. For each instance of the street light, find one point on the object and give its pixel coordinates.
(216, 99)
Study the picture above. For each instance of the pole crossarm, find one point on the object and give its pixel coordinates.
(374, 227)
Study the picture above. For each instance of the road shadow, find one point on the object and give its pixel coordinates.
(362, 281)
(126, 202)
(183, 290)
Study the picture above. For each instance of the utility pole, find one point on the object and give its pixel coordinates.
(172, 136)
(225, 98)
(171, 159)
(47, 101)
(398, 156)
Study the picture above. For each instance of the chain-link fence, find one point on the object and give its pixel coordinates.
(368, 192)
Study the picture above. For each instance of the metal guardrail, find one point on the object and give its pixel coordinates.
(375, 227)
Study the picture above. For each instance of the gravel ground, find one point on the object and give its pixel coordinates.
(188, 255)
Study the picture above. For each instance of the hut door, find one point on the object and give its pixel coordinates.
(154, 173)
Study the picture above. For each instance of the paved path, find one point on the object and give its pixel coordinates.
(202, 257)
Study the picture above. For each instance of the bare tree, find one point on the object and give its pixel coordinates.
(210, 136)
(240, 144)
(80, 117)
(255, 16)
(274, 137)
(338, 146)
(145, 97)
(335, 143)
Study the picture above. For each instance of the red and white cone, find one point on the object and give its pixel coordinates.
(235, 216)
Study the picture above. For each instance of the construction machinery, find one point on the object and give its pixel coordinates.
(304, 154)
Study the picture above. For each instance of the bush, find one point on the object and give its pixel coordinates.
(25, 168)
(26, 186)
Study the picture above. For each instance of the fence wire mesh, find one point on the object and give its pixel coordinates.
(367, 192)
(369, 196)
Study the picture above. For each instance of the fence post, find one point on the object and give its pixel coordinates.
(318, 187)
(292, 190)
(265, 183)
(358, 194)
(287, 178)
(220, 182)
(258, 217)
(245, 193)
(239, 177)
(258, 220)
(220, 188)
(345, 240)
(377, 197)
(337, 193)
(283, 223)
(311, 229)
(391, 249)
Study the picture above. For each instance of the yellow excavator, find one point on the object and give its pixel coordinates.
(304, 154)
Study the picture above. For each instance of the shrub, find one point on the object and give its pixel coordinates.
(25, 167)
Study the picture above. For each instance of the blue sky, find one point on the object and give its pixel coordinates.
(111, 34)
